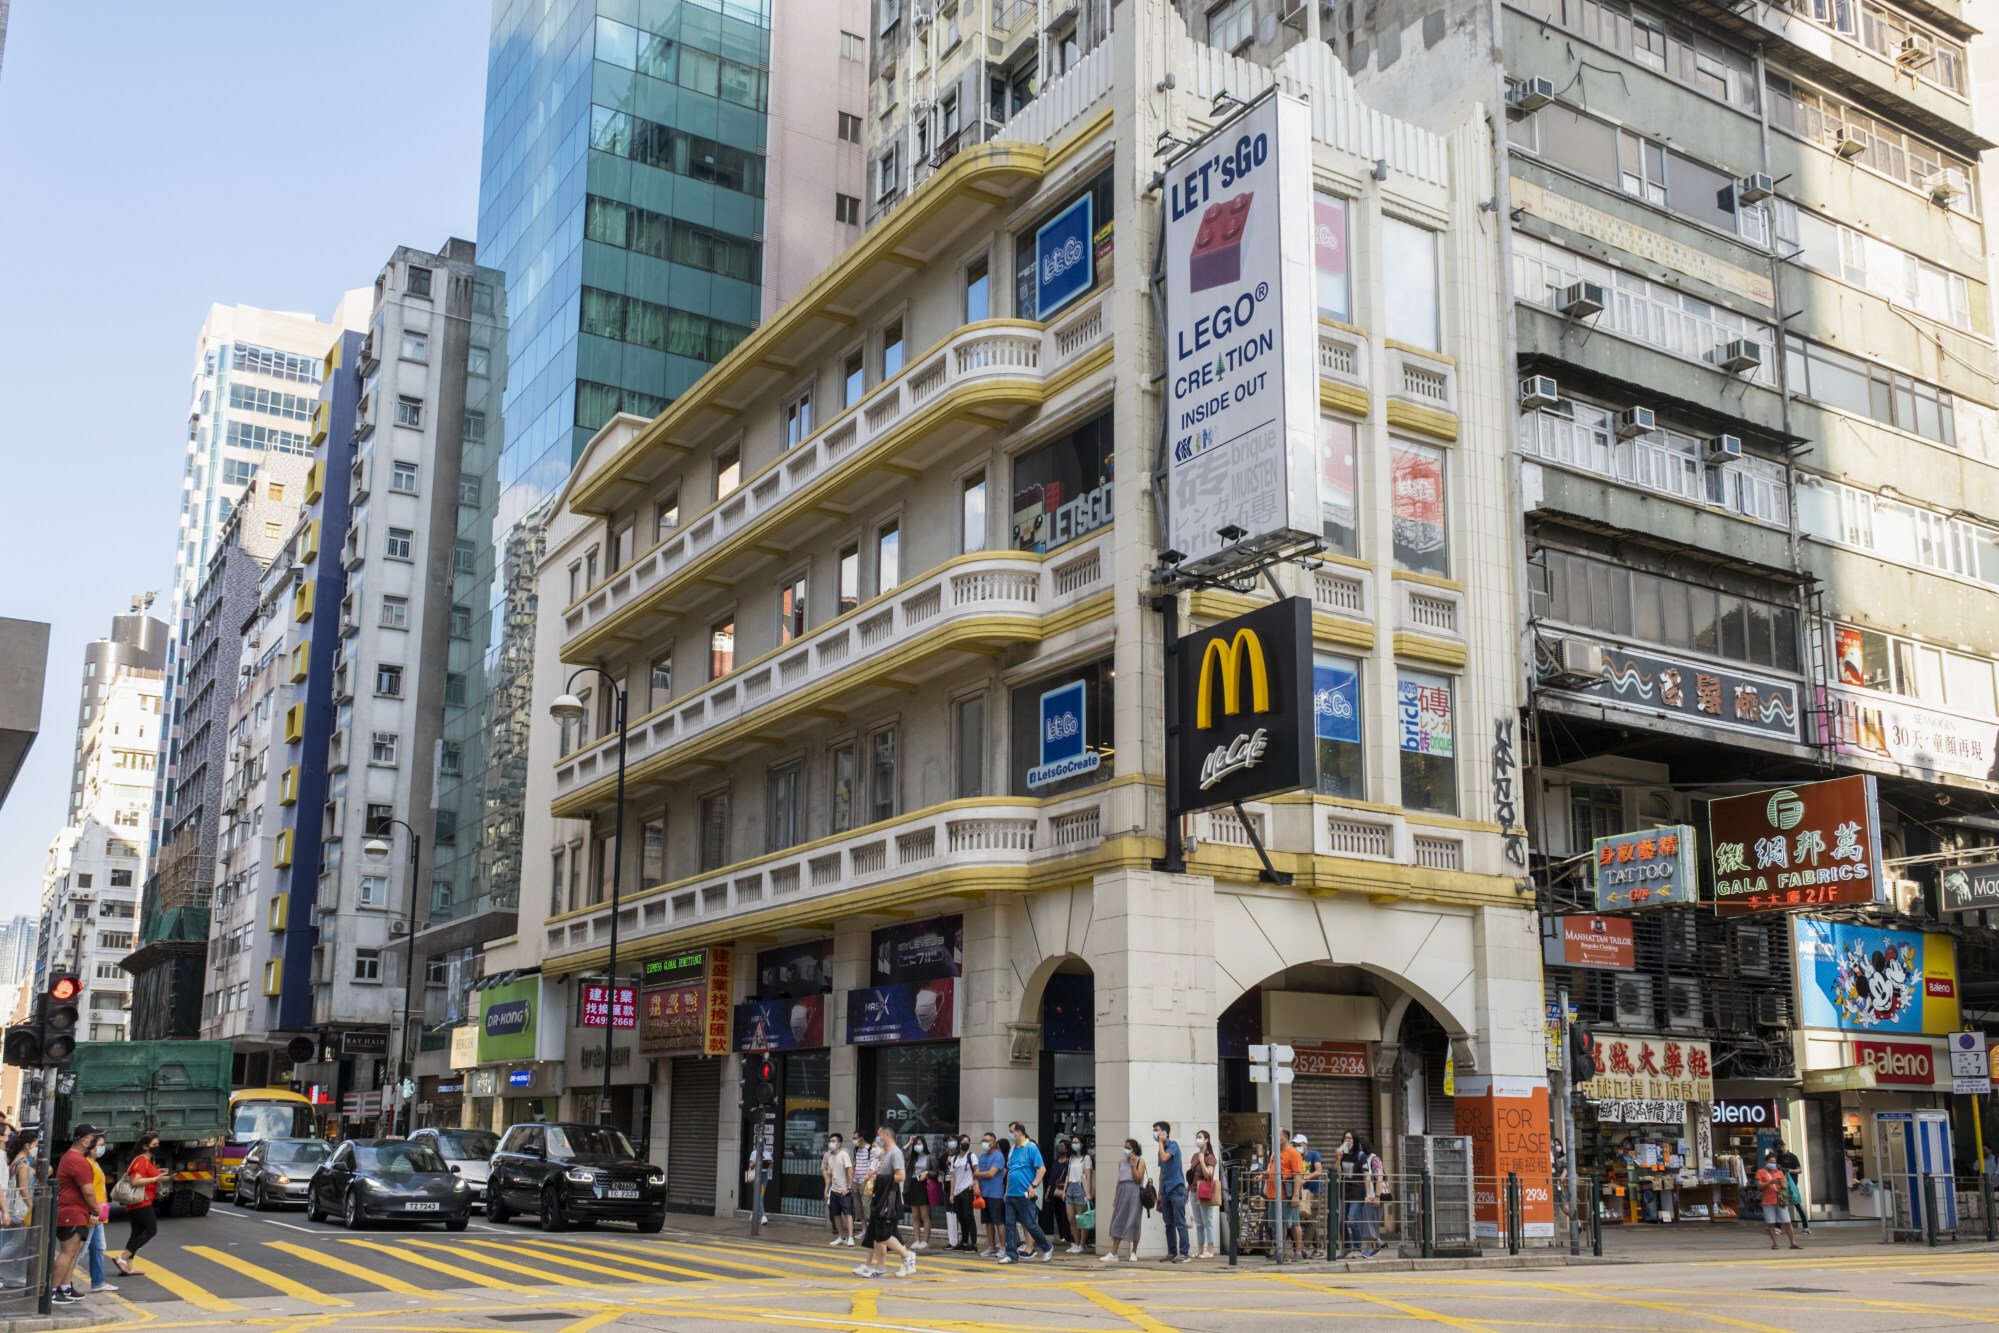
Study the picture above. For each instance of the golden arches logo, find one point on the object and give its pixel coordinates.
(1230, 654)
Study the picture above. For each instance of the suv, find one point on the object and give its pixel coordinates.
(564, 1173)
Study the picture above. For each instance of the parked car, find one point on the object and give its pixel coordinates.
(467, 1151)
(275, 1172)
(367, 1180)
(566, 1173)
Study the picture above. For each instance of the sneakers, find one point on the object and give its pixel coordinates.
(1009, 1259)
(865, 1270)
(1107, 1258)
(920, 1245)
(988, 1254)
(1047, 1256)
(908, 1268)
(1075, 1249)
(101, 1286)
(837, 1240)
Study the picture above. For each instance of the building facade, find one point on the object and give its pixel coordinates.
(17, 950)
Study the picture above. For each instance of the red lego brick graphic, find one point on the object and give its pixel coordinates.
(1217, 255)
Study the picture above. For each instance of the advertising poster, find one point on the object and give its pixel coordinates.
(721, 985)
(1507, 1121)
(1650, 868)
(673, 1019)
(1064, 732)
(617, 1006)
(1339, 485)
(1815, 844)
(507, 1020)
(1971, 888)
(927, 950)
(795, 969)
(1424, 713)
(1329, 255)
(902, 1011)
(1864, 725)
(1336, 703)
(1418, 484)
(1590, 941)
(1064, 255)
(781, 1025)
(1866, 979)
(1241, 345)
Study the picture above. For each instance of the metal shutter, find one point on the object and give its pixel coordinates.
(1323, 1109)
(1442, 1107)
(694, 1118)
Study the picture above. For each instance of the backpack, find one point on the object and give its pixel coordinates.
(1148, 1197)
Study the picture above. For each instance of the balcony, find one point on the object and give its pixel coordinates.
(917, 632)
(1422, 391)
(1343, 379)
(985, 370)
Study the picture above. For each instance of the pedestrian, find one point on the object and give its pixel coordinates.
(144, 1172)
(1079, 1188)
(1349, 1166)
(917, 1193)
(1364, 1231)
(837, 1170)
(1055, 1197)
(75, 1210)
(1283, 1179)
(1172, 1192)
(1126, 1215)
(101, 1212)
(888, 1176)
(991, 1174)
(1773, 1185)
(864, 1169)
(964, 1193)
(1312, 1199)
(16, 1207)
(1204, 1178)
(1793, 1193)
(1025, 1170)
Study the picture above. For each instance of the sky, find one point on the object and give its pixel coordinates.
(156, 158)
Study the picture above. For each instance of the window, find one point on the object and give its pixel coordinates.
(604, 856)
(1594, 812)
(398, 547)
(853, 47)
(1043, 754)
(1422, 533)
(850, 127)
(451, 758)
(850, 577)
(791, 609)
(1867, 388)
(575, 875)
(887, 178)
(621, 548)
(728, 474)
(1073, 227)
(888, 556)
(784, 824)
(382, 749)
(461, 622)
(1652, 608)
(473, 427)
(1822, 119)
(714, 815)
(722, 648)
(892, 350)
(275, 491)
(968, 737)
(847, 209)
(1231, 25)
(1424, 727)
(840, 766)
(978, 290)
(1336, 726)
(273, 531)
(798, 420)
(972, 512)
(479, 365)
(883, 788)
(558, 902)
(121, 879)
(853, 381)
(652, 850)
(1062, 488)
(402, 477)
(948, 114)
(1329, 256)
(1872, 660)
(468, 491)
(418, 282)
(1409, 269)
(416, 346)
(666, 519)
(389, 681)
(1339, 485)
(409, 411)
(396, 612)
(374, 891)
(659, 682)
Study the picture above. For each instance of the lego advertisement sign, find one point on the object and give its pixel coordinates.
(1815, 844)
(1241, 351)
(1507, 1121)
(1063, 256)
(1865, 979)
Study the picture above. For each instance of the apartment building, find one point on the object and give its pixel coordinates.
(837, 580)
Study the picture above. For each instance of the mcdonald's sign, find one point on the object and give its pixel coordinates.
(1245, 707)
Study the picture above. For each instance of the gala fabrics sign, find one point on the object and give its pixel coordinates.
(1811, 845)
(1247, 710)
(1866, 979)
(1646, 1068)
(1650, 868)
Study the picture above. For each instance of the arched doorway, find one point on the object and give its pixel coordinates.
(1067, 1060)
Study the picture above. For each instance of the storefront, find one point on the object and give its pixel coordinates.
(440, 1100)
(1644, 1129)
(906, 1026)
(684, 1022)
(1068, 1088)
(784, 1025)
(599, 1008)
(520, 1029)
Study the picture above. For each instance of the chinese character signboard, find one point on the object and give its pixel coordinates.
(1866, 725)
(1815, 844)
(1246, 707)
(1691, 691)
(1644, 1068)
(1423, 717)
(617, 1006)
(1641, 1113)
(1589, 941)
(1651, 868)
(1971, 888)
(1865, 979)
(675, 1020)
(721, 985)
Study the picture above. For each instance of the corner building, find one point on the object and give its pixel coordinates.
(836, 578)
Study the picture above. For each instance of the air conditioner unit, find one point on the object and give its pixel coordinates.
(1530, 95)
(1679, 935)
(1754, 188)
(1738, 355)
(1944, 187)
(1574, 664)
(1684, 1010)
(1635, 421)
(1580, 300)
(1771, 1011)
(1537, 391)
(1633, 1002)
(1719, 449)
(1911, 54)
(1907, 895)
(398, 927)
(1843, 141)
(1752, 949)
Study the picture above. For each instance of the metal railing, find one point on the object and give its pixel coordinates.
(1419, 1215)
(27, 1257)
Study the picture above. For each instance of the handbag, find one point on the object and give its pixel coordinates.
(1087, 1219)
(128, 1193)
(934, 1191)
(1148, 1197)
(1204, 1188)
(978, 1203)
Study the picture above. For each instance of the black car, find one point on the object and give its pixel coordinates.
(276, 1172)
(564, 1173)
(368, 1180)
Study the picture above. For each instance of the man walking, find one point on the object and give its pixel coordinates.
(884, 1186)
(1312, 1202)
(1025, 1170)
(837, 1170)
(864, 1165)
(991, 1174)
(1794, 1195)
(75, 1212)
(1172, 1192)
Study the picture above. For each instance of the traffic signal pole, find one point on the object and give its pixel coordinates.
(1568, 1072)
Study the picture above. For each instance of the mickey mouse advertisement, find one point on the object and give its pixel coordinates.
(1865, 979)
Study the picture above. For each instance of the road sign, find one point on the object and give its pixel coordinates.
(1970, 1069)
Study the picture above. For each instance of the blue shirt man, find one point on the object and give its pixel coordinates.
(1172, 1166)
(1172, 1192)
(1021, 1165)
(993, 1160)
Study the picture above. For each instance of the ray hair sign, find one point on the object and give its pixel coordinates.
(1245, 687)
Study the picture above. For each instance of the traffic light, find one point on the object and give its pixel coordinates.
(49, 1035)
(1582, 1054)
(766, 1086)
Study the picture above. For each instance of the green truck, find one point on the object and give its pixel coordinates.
(177, 1089)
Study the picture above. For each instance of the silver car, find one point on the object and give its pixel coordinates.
(469, 1151)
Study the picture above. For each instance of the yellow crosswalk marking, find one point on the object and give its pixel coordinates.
(464, 1275)
(542, 1250)
(339, 1265)
(276, 1281)
(655, 1264)
(198, 1296)
(539, 1274)
(712, 1255)
(804, 1258)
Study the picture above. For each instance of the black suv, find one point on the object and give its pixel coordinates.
(564, 1173)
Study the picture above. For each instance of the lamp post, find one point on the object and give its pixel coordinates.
(568, 708)
(375, 849)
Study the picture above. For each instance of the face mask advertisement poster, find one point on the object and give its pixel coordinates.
(1865, 979)
(1241, 345)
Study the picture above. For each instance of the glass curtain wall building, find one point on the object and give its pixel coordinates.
(621, 196)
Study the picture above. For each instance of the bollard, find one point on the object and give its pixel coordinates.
(1512, 1205)
(45, 1208)
(1927, 1183)
(1595, 1218)
(1429, 1200)
(1991, 1222)
(1235, 1221)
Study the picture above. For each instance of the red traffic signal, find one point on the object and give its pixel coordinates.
(64, 988)
(49, 1035)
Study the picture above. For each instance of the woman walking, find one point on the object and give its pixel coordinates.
(1054, 1197)
(1204, 1179)
(1364, 1212)
(1076, 1195)
(143, 1172)
(916, 1193)
(1125, 1212)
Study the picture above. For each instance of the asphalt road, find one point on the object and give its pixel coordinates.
(279, 1271)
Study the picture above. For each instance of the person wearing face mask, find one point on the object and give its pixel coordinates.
(991, 1174)
(885, 1184)
(1081, 1188)
(1126, 1214)
(17, 1196)
(144, 1172)
(1204, 1182)
(75, 1210)
(837, 1170)
(1054, 1198)
(1026, 1171)
(964, 1189)
(101, 1199)
(864, 1167)
(916, 1194)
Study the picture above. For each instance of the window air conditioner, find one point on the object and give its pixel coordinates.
(398, 927)
(1754, 188)
(1537, 391)
(1738, 355)
(1580, 300)
(1772, 1012)
(1633, 1002)
(1530, 95)
(1911, 54)
(1719, 449)
(1846, 143)
(1684, 1010)
(1574, 664)
(1944, 187)
(1635, 421)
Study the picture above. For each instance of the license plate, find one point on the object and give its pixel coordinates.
(422, 1207)
(622, 1192)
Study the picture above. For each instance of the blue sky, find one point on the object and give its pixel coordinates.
(154, 158)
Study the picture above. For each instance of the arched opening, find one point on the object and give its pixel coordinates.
(1067, 1059)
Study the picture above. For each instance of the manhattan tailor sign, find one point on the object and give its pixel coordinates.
(1589, 941)
(1241, 345)
(1651, 868)
(1814, 844)
(1971, 888)
(1246, 713)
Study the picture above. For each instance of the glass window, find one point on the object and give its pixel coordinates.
(978, 291)
(396, 612)
(888, 557)
(398, 547)
(402, 477)
(785, 821)
(1339, 496)
(791, 609)
(1027, 737)
(409, 412)
(418, 283)
(728, 470)
(884, 789)
(968, 730)
(1062, 489)
(892, 350)
(797, 420)
(722, 648)
(1330, 256)
(1582, 143)
(416, 346)
(853, 381)
(1422, 533)
(841, 766)
(1409, 269)
(659, 682)
(972, 513)
(1231, 24)
(1425, 728)
(667, 519)
(850, 577)
(1336, 723)
(1968, 683)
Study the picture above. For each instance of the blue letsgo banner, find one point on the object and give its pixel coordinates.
(1064, 736)
(903, 1011)
(1336, 704)
(1063, 258)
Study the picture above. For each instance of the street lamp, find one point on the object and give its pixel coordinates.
(568, 708)
(375, 849)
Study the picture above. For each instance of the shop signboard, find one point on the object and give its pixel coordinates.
(1815, 844)
(1865, 725)
(1589, 941)
(1970, 1064)
(613, 1006)
(795, 969)
(1845, 1078)
(1507, 1121)
(1745, 1113)
(365, 1041)
(1241, 339)
(1329, 1059)
(1247, 722)
(1667, 1112)
(902, 1011)
(1899, 1063)
(1653, 867)
(1971, 888)
(1643, 1067)
(484, 1082)
(675, 1019)
(687, 965)
(932, 949)
(721, 986)
(509, 1015)
(1866, 979)
(1064, 249)
(1065, 752)
(1653, 682)
(465, 1046)
(781, 1025)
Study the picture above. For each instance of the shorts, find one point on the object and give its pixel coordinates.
(1776, 1214)
(1075, 1194)
(1289, 1214)
(839, 1205)
(64, 1233)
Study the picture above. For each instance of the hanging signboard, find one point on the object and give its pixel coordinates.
(1815, 844)
(1648, 1068)
(1650, 868)
(1589, 941)
(1971, 888)
(1246, 707)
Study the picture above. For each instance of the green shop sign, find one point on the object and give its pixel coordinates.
(508, 1015)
